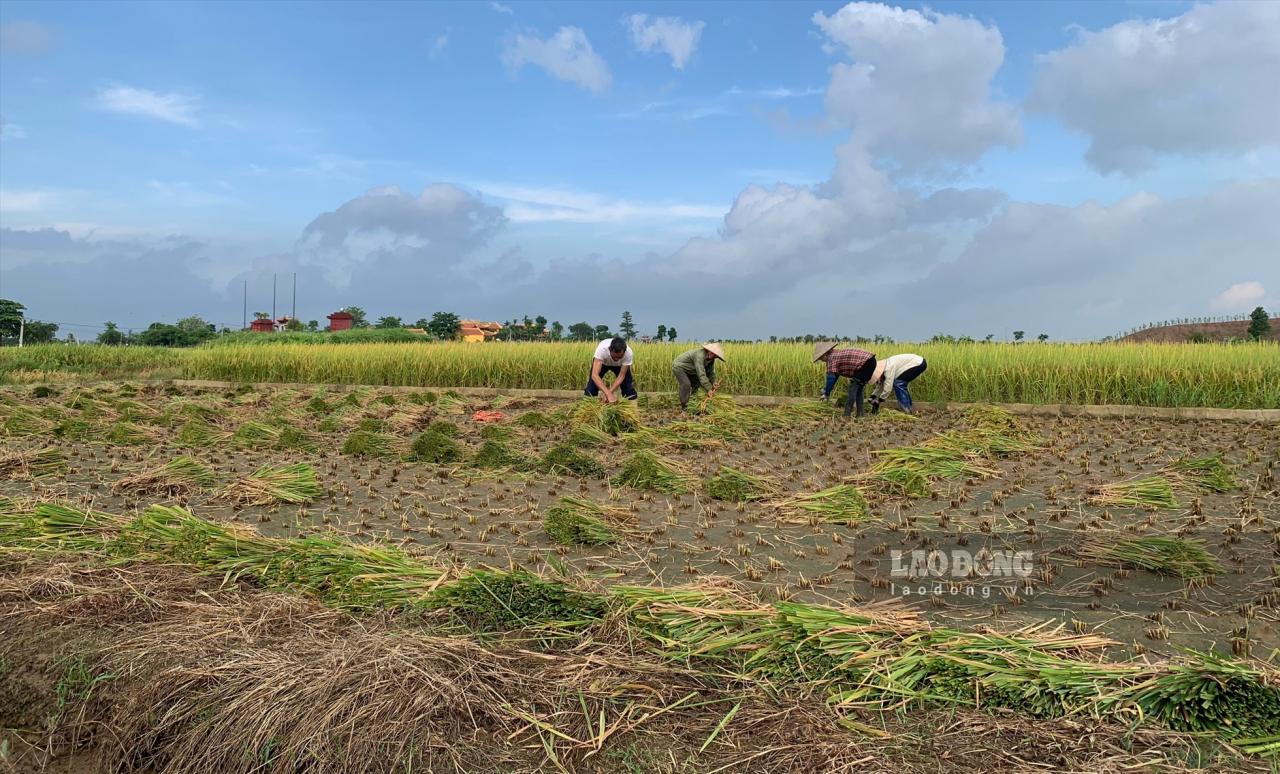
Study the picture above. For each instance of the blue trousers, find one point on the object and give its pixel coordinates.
(905, 378)
(628, 384)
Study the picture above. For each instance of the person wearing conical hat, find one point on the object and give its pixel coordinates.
(856, 365)
(696, 369)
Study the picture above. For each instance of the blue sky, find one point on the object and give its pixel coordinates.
(606, 153)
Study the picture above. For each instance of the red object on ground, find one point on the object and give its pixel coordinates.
(488, 416)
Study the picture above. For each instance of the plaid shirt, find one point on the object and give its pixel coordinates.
(846, 362)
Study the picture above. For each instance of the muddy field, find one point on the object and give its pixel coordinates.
(1021, 521)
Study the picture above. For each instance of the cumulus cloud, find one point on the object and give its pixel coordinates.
(917, 87)
(670, 34)
(174, 108)
(24, 201)
(1239, 297)
(524, 204)
(566, 55)
(24, 37)
(501, 8)
(1203, 82)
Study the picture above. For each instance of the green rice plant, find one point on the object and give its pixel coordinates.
(494, 600)
(22, 422)
(295, 439)
(737, 486)
(318, 405)
(897, 479)
(388, 400)
(646, 470)
(362, 443)
(371, 425)
(72, 430)
(587, 436)
(37, 463)
(444, 428)
(330, 424)
(255, 434)
(677, 435)
(1209, 473)
(578, 521)
(294, 483)
(928, 461)
(1149, 492)
(610, 418)
(43, 391)
(436, 448)
(1179, 557)
(535, 420)
(196, 433)
(495, 432)
(565, 458)
(181, 475)
(843, 503)
(56, 526)
(497, 455)
(1212, 694)
(127, 434)
(452, 403)
(982, 442)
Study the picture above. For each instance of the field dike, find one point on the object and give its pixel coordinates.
(619, 659)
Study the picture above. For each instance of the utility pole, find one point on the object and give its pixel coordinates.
(22, 328)
(294, 314)
(244, 317)
(273, 299)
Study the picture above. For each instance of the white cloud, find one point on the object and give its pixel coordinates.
(501, 8)
(525, 204)
(11, 131)
(1239, 297)
(567, 55)
(24, 201)
(173, 108)
(918, 88)
(439, 46)
(1203, 82)
(24, 37)
(670, 34)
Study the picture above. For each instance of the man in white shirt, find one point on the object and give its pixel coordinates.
(895, 373)
(612, 355)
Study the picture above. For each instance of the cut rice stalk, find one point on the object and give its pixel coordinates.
(1165, 555)
(647, 470)
(575, 520)
(1209, 473)
(33, 464)
(841, 503)
(294, 483)
(181, 475)
(736, 486)
(1149, 492)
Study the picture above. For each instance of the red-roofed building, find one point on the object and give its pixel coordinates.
(341, 321)
(263, 325)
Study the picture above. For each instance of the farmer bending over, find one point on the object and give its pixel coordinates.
(612, 355)
(857, 365)
(697, 369)
(896, 372)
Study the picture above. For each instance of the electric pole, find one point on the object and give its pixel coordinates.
(273, 299)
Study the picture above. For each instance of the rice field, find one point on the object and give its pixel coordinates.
(571, 587)
(1225, 376)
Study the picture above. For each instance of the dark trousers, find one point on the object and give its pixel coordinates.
(857, 384)
(687, 385)
(628, 384)
(905, 378)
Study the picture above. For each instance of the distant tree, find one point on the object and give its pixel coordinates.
(1042, 338)
(261, 316)
(11, 314)
(443, 325)
(557, 330)
(193, 330)
(671, 334)
(989, 337)
(1259, 324)
(603, 332)
(541, 322)
(628, 325)
(294, 324)
(358, 319)
(662, 332)
(581, 331)
(37, 332)
(1017, 335)
(313, 325)
(422, 323)
(160, 334)
(388, 322)
(111, 336)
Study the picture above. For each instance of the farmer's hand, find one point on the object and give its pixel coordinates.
(611, 398)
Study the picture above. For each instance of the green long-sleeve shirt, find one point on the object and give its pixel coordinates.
(695, 364)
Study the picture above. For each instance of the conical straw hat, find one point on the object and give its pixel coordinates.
(714, 348)
(822, 348)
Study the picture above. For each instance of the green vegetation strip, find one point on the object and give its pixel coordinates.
(868, 658)
(1170, 375)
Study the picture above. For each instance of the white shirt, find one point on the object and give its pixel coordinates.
(892, 369)
(606, 357)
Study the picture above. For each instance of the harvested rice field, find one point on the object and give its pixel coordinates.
(260, 579)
